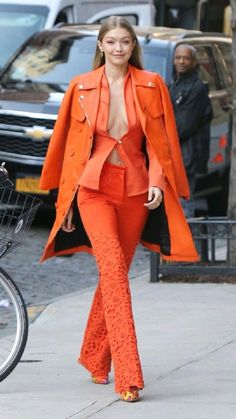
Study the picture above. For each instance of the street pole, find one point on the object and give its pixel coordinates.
(232, 181)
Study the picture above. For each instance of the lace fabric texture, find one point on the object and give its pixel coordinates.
(110, 336)
(110, 333)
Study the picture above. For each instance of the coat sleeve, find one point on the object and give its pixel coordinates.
(52, 167)
(155, 171)
(181, 180)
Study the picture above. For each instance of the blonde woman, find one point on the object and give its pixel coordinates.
(115, 157)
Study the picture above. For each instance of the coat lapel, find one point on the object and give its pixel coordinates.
(89, 87)
(142, 86)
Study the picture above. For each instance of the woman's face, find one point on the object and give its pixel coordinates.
(117, 45)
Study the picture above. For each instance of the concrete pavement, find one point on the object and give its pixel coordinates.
(187, 343)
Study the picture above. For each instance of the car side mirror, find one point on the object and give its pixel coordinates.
(4, 178)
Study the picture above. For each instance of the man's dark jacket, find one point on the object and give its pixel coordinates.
(193, 113)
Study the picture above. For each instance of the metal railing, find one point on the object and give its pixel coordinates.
(213, 239)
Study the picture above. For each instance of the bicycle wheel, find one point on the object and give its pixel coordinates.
(13, 325)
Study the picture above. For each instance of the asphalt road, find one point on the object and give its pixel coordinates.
(42, 283)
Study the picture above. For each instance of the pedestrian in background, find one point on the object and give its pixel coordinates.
(193, 113)
(112, 120)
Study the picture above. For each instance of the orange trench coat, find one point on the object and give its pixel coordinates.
(166, 230)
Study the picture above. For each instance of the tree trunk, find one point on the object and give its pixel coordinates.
(232, 181)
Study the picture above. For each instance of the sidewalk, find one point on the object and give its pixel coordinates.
(187, 342)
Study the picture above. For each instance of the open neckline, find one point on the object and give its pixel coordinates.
(118, 140)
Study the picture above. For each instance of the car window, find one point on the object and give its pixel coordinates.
(17, 23)
(55, 60)
(206, 67)
(225, 49)
(155, 59)
(61, 17)
(52, 60)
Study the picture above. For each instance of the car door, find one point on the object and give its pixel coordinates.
(209, 71)
(214, 184)
(223, 51)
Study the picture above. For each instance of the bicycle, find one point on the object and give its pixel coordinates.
(17, 211)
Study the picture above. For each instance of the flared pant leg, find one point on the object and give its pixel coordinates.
(114, 230)
(95, 352)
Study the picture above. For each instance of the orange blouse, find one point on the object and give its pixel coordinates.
(129, 148)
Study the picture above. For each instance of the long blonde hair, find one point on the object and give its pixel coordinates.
(118, 22)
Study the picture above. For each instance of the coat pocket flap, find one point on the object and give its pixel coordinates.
(78, 113)
(155, 108)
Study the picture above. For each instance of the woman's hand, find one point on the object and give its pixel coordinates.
(67, 225)
(154, 198)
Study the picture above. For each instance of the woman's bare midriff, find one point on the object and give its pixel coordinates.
(117, 124)
(114, 158)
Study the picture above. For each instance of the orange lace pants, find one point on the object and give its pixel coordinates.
(114, 223)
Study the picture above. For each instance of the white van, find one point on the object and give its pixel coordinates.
(19, 19)
(136, 14)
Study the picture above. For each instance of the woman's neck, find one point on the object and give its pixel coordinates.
(115, 74)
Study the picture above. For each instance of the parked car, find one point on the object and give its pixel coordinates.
(32, 86)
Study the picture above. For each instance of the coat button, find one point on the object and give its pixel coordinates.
(63, 180)
(81, 96)
(82, 161)
(81, 86)
(72, 153)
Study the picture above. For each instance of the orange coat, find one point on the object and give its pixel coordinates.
(166, 230)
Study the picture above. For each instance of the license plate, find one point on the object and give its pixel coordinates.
(29, 185)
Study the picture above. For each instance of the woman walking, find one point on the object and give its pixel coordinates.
(115, 157)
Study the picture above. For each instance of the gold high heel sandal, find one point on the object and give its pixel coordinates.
(131, 395)
(100, 380)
